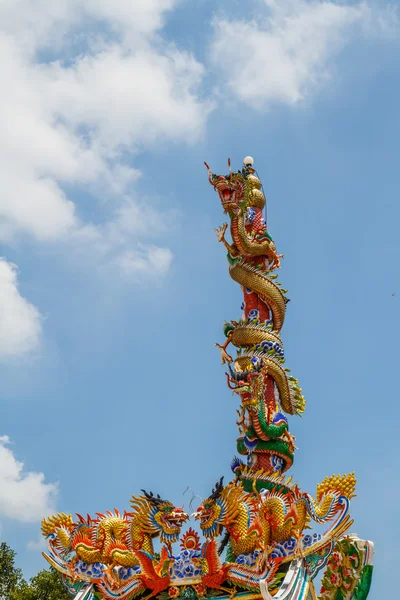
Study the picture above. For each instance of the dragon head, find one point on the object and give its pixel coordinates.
(231, 190)
(240, 190)
(211, 513)
(220, 508)
(158, 517)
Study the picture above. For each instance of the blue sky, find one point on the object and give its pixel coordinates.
(113, 288)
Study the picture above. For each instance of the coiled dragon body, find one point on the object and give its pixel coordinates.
(258, 375)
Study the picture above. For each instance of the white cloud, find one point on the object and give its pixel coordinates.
(149, 261)
(24, 496)
(112, 84)
(287, 52)
(38, 23)
(129, 98)
(20, 321)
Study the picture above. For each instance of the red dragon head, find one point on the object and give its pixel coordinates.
(231, 189)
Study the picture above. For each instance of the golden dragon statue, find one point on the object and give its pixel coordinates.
(258, 372)
(113, 539)
(266, 550)
(261, 519)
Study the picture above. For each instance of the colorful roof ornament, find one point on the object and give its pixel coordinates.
(257, 533)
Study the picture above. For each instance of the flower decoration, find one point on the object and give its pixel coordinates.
(335, 579)
(345, 569)
(173, 592)
(201, 590)
(336, 558)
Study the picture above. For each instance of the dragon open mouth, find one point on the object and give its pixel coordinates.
(205, 517)
(226, 194)
(174, 521)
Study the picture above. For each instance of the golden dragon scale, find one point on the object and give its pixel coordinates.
(257, 537)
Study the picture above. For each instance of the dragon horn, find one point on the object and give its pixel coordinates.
(151, 497)
(230, 169)
(218, 489)
(209, 173)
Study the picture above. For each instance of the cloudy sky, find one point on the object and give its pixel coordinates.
(113, 288)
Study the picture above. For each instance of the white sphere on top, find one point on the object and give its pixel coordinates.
(248, 161)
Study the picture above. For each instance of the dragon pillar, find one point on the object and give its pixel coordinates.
(263, 513)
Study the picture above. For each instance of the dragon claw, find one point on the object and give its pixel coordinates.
(110, 577)
(225, 357)
(220, 232)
